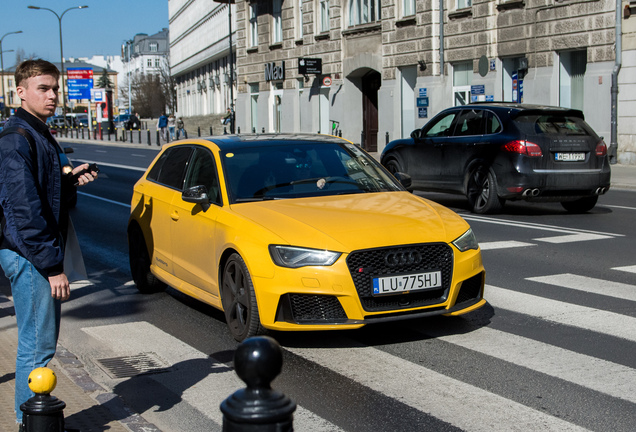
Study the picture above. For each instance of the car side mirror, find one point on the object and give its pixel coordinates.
(416, 134)
(404, 179)
(197, 195)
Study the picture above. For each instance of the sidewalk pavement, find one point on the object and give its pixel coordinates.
(90, 407)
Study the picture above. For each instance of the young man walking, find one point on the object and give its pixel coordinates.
(34, 216)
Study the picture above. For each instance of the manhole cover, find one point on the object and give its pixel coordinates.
(130, 366)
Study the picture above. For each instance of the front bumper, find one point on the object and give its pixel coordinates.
(322, 298)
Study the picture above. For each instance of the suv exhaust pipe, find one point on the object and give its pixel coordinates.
(531, 192)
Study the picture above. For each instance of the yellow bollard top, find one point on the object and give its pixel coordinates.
(42, 380)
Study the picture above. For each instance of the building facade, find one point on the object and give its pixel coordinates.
(377, 69)
(143, 55)
(200, 56)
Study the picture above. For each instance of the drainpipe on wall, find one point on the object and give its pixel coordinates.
(441, 38)
(613, 147)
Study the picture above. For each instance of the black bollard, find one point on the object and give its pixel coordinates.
(158, 139)
(139, 136)
(211, 132)
(199, 131)
(43, 412)
(387, 137)
(149, 141)
(224, 130)
(257, 361)
(238, 130)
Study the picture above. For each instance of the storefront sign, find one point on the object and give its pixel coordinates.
(273, 72)
(310, 66)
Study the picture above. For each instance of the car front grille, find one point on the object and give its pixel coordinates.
(364, 265)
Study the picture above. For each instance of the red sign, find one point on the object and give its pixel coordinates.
(326, 81)
(76, 73)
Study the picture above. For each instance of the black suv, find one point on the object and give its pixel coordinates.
(493, 152)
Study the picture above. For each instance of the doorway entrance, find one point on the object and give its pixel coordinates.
(371, 83)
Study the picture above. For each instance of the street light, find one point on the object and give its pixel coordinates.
(59, 19)
(4, 99)
(231, 77)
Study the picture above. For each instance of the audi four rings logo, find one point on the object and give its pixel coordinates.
(394, 259)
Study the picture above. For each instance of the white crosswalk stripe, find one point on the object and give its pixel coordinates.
(591, 285)
(417, 386)
(583, 317)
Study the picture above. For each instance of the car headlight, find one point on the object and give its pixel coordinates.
(466, 241)
(294, 257)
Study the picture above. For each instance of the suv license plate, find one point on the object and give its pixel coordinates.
(569, 157)
(404, 283)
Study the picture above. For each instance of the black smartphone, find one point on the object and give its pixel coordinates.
(91, 168)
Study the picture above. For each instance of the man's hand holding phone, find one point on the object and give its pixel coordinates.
(84, 174)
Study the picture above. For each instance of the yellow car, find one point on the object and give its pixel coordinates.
(297, 232)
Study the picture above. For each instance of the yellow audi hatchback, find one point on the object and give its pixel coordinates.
(297, 232)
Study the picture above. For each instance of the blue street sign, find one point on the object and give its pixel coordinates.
(79, 88)
(422, 112)
(478, 89)
(422, 102)
(422, 92)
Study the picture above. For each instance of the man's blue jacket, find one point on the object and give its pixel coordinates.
(35, 217)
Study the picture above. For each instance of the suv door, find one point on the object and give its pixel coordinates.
(425, 167)
(462, 147)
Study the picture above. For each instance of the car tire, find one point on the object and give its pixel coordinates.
(580, 205)
(139, 259)
(239, 300)
(393, 165)
(482, 192)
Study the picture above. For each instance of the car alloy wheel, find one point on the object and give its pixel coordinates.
(393, 166)
(239, 300)
(482, 192)
(139, 259)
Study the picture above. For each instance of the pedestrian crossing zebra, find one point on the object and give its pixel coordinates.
(486, 377)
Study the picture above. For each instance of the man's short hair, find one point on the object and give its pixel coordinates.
(32, 68)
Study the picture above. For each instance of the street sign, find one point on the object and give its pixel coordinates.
(422, 112)
(422, 92)
(79, 82)
(326, 81)
(422, 101)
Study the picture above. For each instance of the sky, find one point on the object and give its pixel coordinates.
(100, 29)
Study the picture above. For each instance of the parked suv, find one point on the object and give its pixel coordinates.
(493, 152)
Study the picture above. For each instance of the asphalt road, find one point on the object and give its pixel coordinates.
(555, 348)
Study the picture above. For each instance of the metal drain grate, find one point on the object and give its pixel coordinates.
(130, 366)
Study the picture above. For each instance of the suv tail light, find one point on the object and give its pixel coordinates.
(523, 147)
(601, 149)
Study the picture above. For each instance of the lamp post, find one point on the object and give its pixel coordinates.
(231, 79)
(59, 19)
(4, 99)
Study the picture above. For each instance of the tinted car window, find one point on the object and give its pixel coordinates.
(442, 126)
(493, 124)
(552, 124)
(469, 123)
(171, 167)
(203, 173)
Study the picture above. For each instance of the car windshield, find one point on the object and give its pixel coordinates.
(306, 169)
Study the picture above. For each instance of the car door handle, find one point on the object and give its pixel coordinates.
(175, 216)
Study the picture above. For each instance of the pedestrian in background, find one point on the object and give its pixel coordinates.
(171, 126)
(34, 215)
(180, 128)
(162, 125)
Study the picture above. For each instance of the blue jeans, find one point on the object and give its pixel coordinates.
(38, 318)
